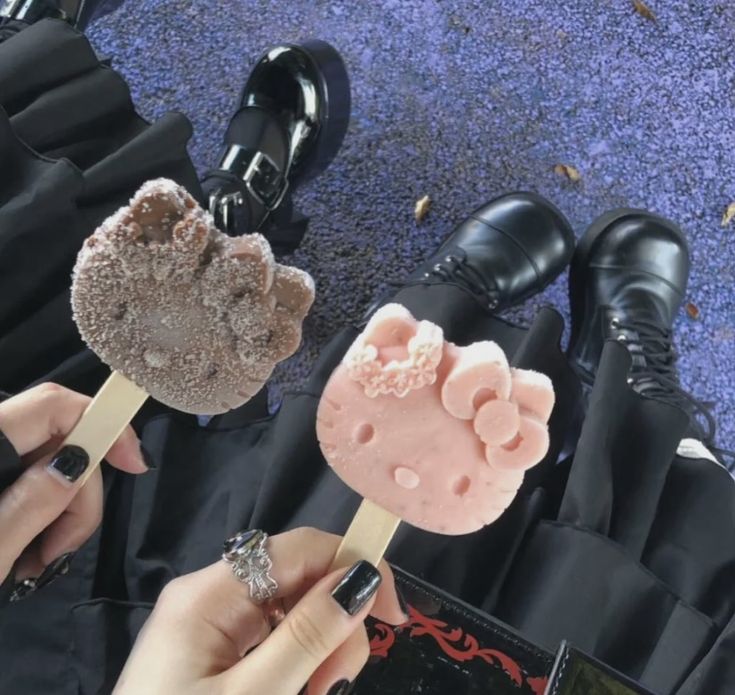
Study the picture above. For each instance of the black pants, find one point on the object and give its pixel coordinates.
(623, 548)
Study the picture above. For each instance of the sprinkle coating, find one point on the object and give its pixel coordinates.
(196, 318)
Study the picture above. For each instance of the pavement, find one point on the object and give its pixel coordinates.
(464, 101)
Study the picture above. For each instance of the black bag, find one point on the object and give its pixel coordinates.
(447, 646)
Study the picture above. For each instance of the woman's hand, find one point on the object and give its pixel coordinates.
(205, 622)
(43, 515)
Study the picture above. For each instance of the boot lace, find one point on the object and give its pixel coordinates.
(455, 269)
(656, 377)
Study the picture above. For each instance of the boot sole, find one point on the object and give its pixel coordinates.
(323, 81)
(336, 98)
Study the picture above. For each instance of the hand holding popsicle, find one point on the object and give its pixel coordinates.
(42, 523)
(431, 433)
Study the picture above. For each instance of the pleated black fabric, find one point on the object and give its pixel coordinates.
(72, 150)
(624, 550)
(615, 542)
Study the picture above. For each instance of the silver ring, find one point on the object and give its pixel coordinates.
(251, 564)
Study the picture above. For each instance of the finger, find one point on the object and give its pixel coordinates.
(47, 413)
(214, 598)
(33, 417)
(29, 564)
(27, 507)
(344, 664)
(257, 638)
(303, 556)
(67, 533)
(76, 523)
(201, 613)
(126, 453)
(322, 621)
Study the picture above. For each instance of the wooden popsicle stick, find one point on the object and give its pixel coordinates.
(368, 536)
(104, 420)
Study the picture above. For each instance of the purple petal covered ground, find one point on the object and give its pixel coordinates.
(464, 101)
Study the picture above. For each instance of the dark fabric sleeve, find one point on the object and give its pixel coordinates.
(5, 590)
(10, 469)
(10, 465)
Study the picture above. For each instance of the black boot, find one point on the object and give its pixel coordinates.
(16, 14)
(505, 252)
(627, 282)
(292, 119)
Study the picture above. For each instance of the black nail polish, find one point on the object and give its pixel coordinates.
(70, 463)
(402, 603)
(58, 568)
(22, 589)
(148, 459)
(343, 687)
(357, 587)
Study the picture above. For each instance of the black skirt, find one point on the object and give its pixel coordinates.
(615, 542)
(72, 151)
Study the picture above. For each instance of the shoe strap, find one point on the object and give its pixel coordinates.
(262, 178)
(246, 180)
(30, 11)
(237, 211)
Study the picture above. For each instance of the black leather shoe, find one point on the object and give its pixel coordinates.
(627, 283)
(17, 13)
(504, 252)
(292, 119)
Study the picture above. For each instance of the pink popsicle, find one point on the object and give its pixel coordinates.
(436, 434)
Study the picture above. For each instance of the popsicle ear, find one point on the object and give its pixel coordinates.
(395, 353)
(480, 374)
(391, 326)
(158, 211)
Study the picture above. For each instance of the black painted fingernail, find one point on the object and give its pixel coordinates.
(357, 587)
(23, 589)
(58, 568)
(148, 459)
(70, 463)
(343, 687)
(402, 603)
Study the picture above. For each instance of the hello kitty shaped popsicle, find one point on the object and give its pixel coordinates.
(428, 432)
(180, 311)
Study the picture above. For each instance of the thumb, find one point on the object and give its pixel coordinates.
(312, 630)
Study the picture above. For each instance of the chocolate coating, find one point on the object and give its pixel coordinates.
(196, 318)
